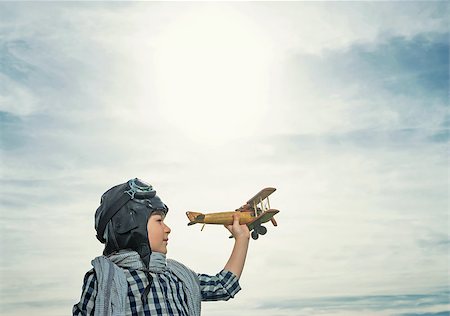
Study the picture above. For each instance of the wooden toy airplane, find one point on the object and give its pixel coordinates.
(254, 213)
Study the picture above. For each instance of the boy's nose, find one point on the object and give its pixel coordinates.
(168, 230)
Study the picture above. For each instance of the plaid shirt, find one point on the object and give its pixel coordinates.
(166, 296)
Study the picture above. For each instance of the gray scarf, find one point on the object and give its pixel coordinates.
(113, 286)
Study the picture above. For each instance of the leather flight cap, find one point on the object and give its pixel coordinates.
(135, 189)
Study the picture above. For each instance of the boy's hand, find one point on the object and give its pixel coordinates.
(241, 236)
(237, 230)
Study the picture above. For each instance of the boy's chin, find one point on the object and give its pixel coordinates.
(163, 251)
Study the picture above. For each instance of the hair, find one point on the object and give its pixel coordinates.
(158, 212)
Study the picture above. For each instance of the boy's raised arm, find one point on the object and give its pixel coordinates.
(241, 236)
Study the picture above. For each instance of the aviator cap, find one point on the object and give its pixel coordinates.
(121, 219)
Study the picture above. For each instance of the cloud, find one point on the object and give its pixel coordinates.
(312, 28)
(12, 131)
(426, 314)
(352, 134)
(348, 303)
(396, 83)
(416, 66)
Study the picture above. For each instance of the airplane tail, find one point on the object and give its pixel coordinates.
(195, 217)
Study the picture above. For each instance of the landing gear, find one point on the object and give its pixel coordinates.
(262, 230)
(258, 230)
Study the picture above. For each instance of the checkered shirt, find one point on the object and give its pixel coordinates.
(166, 296)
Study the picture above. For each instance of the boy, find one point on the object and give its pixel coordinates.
(133, 277)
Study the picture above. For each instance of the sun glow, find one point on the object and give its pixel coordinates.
(212, 73)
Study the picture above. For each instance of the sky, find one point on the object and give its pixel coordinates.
(342, 106)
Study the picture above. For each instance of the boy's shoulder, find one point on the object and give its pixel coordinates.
(90, 272)
(90, 282)
(90, 276)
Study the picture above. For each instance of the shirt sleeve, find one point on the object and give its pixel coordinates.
(86, 306)
(220, 287)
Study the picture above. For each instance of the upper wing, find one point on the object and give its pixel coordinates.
(261, 195)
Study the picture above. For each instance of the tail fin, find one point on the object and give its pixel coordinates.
(195, 217)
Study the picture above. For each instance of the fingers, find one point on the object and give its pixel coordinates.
(233, 225)
(236, 229)
(236, 218)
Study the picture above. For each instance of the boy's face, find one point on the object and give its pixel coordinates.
(158, 233)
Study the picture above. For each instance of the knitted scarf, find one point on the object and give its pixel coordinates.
(113, 286)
